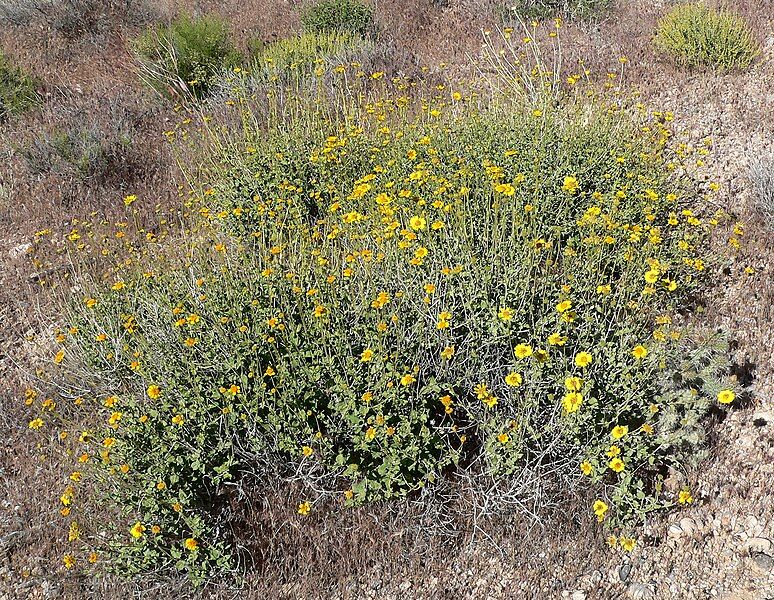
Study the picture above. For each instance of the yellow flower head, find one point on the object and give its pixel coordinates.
(304, 508)
(447, 352)
(726, 397)
(639, 352)
(684, 497)
(191, 544)
(505, 314)
(570, 184)
(600, 509)
(522, 351)
(586, 468)
(153, 391)
(407, 379)
(619, 431)
(137, 530)
(572, 402)
(583, 359)
(617, 465)
(417, 223)
(574, 384)
(366, 355)
(514, 379)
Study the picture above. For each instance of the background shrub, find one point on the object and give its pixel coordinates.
(543, 9)
(181, 59)
(73, 19)
(696, 35)
(761, 181)
(17, 89)
(352, 16)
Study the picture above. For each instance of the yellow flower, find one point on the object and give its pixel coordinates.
(128, 200)
(417, 223)
(69, 561)
(570, 184)
(178, 419)
(600, 509)
(627, 543)
(583, 359)
(522, 351)
(651, 276)
(36, 423)
(366, 355)
(572, 402)
(503, 438)
(307, 451)
(319, 311)
(137, 530)
(505, 314)
(514, 379)
(586, 468)
(447, 352)
(153, 391)
(564, 306)
(304, 508)
(619, 431)
(555, 339)
(574, 384)
(59, 357)
(191, 544)
(684, 497)
(617, 465)
(613, 451)
(639, 352)
(407, 379)
(726, 397)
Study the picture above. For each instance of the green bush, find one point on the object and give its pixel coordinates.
(180, 60)
(419, 291)
(17, 89)
(352, 16)
(696, 35)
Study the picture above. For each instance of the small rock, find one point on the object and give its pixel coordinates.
(762, 561)
(674, 531)
(640, 591)
(759, 545)
(19, 251)
(688, 525)
(623, 571)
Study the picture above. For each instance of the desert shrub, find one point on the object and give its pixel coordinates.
(350, 16)
(696, 35)
(180, 60)
(401, 289)
(17, 89)
(310, 50)
(760, 178)
(543, 9)
(76, 18)
(92, 144)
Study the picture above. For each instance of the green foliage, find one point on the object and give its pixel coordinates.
(17, 89)
(696, 35)
(373, 304)
(181, 59)
(351, 16)
(304, 53)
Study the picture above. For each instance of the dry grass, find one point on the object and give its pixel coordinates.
(338, 553)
